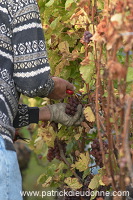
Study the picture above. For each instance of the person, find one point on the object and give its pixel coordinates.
(24, 69)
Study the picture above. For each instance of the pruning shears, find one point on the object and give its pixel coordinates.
(69, 92)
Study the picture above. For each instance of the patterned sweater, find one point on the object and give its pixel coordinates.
(25, 116)
(24, 66)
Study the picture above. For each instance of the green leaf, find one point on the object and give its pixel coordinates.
(54, 23)
(82, 163)
(50, 3)
(130, 74)
(87, 72)
(41, 178)
(86, 173)
(73, 183)
(64, 47)
(68, 4)
(94, 184)
(47, 183)
(94, 196)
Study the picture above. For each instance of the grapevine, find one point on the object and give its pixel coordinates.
(90, 44)
(54, 152)
(96, 152)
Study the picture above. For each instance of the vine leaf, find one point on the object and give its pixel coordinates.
(47, 182)
(85, 61)
(60, 67)
(68, 4)
(77, 136)
(130, 74)
(38, 143)
(86, 72)
(64, 47)
(48, 135)
(89, 114)
(117, 20)
(50, 3)
(86, 173)
(94, 184)
(54, 23)
(73, 183)
(82, 163)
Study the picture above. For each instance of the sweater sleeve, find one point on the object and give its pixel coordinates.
(25, 116)
(31, 67)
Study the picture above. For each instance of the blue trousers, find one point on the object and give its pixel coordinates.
(10, 176)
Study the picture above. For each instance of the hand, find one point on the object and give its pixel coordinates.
(60, 87)
(58, 115)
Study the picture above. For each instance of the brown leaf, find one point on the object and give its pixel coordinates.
(102, 26)
(85, 125)
(74, 54)
(76, 15)
(119, 6)
(116, 70)
(60, 67)
(85, 61)
(106, 180)
(98, 38)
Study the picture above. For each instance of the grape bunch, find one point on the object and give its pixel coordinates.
(96, 152)
(87, 36)
(71, 107)
(54, 152)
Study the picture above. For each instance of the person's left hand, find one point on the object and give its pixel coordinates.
(58, 115)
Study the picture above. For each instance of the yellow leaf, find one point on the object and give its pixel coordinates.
(82, 50)
(38, 144)
(60, 67)
(94, 184)
(82, 163)
(89, 114)
(83, 90)
(47, 182)
(48, 135)
(74, 54)
(117, 19)
(77, 136)
(32, 102)
(101, 183)
(45, 101)
(73, 183)
(68, 4)
(64, 47)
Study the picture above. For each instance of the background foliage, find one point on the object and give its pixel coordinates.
(101, 68)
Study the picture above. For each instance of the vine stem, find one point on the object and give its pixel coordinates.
(97, 107)
(125, 138)
(55, 127)
(109, 134)
(67, 163)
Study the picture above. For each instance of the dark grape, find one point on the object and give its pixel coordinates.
(71, 107)
(54, 152)
(96, 152)
(87, 36)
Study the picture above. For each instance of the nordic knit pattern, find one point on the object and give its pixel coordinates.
(25, 116)
(24, 67)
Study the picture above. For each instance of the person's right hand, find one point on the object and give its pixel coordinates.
(60, 87)
(58, 115)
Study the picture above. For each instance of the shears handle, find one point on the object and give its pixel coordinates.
(69, 92)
